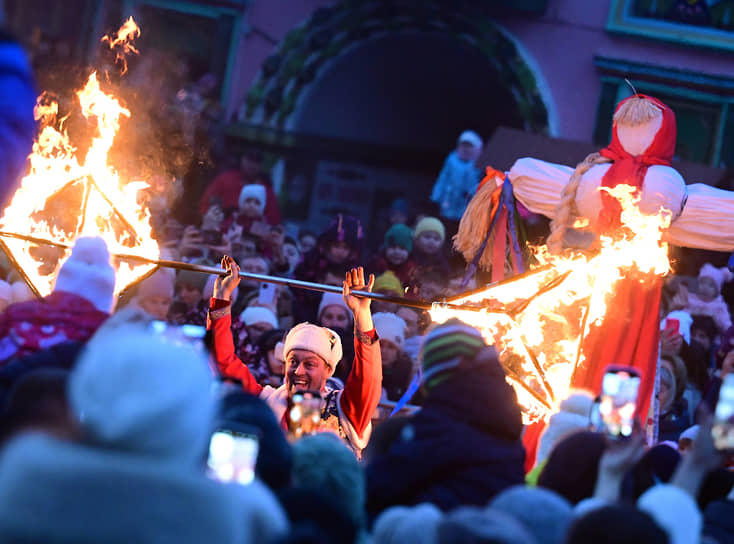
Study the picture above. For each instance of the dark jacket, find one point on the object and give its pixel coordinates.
(462, 448)
(718, 521)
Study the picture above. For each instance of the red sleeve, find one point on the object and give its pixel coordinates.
(364, 384)
(228, 363)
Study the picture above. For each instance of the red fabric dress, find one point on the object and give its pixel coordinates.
(630, 333)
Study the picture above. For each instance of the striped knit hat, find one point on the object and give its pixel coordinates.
(444, 348)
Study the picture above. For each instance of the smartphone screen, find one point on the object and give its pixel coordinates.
(617, 404)
(233, 456)
(304, 413)
(672, 325)
(723, 428)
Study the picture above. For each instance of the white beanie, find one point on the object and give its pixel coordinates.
(132, 390)
(390, 327)
(6, 292)
(332, 299)
(574, 414)
(255, 191)
(319, 340)
(88, 273)
(259, 314)
(471, 137)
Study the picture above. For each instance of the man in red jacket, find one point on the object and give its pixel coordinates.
(311, 355)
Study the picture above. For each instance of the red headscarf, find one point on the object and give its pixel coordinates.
(629, 169)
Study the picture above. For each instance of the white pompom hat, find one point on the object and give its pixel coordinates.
(321, 341)
(255, 191)
(88, 273)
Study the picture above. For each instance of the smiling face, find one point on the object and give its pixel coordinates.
(396, 255)
(305, 371)
(429, 242)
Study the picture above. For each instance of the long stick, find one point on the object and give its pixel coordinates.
(5, 249)
(177, 265)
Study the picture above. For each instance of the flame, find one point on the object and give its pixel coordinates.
(58, 182)
(552, 325)
(123, 42)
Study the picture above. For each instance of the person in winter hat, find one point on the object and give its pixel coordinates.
(428, 248)
(311, 356)
(573, 415)
(395, 255)
(333, 312)
(155, 294)
(397, 368)
(470, 423)
(707, 299)
(459, 177)
(82, 299)
(471, 525)
(388, 284)
(417, 524)
(146, 412)
(544, 514)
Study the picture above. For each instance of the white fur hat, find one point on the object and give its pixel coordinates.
(133, 390)
(719, 275)
(390, 327)
(332, 299)
(88, 273)
(259, 314)
(6, 291)
(319, 340)
(471, 137)
(255, 191)
(574, 414)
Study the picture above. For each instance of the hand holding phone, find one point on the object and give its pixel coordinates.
(616, 410)
(304, 413)
(233, 454)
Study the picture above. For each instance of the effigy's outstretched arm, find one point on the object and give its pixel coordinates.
(539, 184)
(707, 220)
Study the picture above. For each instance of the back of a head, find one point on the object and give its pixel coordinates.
(417, 524)
(323, 462)
(656, 466)
(275, 456)
(469, 525)
(38, 401)
(306, 510)
(542, 512)
(619, 524)
(573, 465)
(139, 393)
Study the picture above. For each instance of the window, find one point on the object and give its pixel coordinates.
(704, 23)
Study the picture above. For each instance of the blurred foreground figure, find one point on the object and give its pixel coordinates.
(145, 411)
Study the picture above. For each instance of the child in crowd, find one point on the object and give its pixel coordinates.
(267, 364)
(395, 255)
(388, 284)
(428, 241)
(306, 241)
(397, 368)
(189, 294)
(155, 294)
(414, 322)
(432, 286)
(707, 299)
(333, 313)
(459, 177)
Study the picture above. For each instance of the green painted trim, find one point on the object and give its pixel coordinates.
(621, 22)
(670, 89)
(720, 129)
(234, 42)
(645, 71)
(193, 8)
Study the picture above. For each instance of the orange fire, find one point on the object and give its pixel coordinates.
(63, 197)
(552, 325)
(123, 43)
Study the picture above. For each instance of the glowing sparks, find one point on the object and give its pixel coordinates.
(122, 44)
(548, 331)
(63, 198)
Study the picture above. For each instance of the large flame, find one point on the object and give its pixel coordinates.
(539, 345)
(62, 198)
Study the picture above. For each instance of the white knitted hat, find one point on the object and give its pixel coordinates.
(319, 340)
(255, 191)
(88, 273)
(390, 327)
(259, 314)
(471, 137)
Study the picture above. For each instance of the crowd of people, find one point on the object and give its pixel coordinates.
(197, 408)
(111, 404)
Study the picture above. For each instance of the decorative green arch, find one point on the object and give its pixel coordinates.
(285, 74)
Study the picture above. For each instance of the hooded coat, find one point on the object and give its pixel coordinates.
(462, 448)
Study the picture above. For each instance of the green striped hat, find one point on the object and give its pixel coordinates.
(444, 348)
